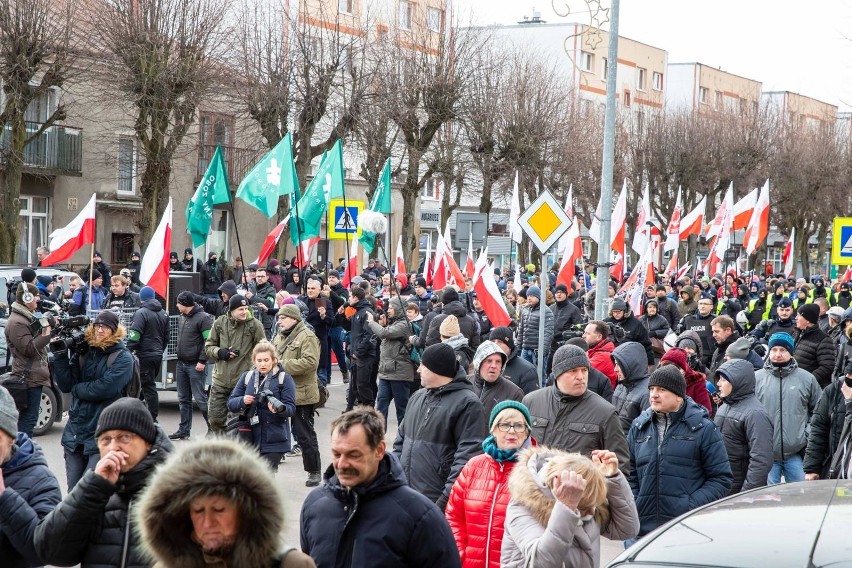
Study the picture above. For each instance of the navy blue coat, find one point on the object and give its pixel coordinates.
(688, 469)
(93, 388)
(272, 432)
(31, 493)
(383, 523)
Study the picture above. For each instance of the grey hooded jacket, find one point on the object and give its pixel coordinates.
(789, 395)
(631, 395)
(745, 427)
(492, 393)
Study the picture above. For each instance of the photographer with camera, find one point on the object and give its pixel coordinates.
(27, 336)
(266, 395)
(95, 367)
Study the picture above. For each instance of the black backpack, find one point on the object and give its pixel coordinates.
(134, 387)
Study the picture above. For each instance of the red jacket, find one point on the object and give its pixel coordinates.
(601, 358)
(476, 510)
(696, 389)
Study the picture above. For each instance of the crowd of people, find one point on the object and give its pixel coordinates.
(721, 384)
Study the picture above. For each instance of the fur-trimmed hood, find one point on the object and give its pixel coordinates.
(211, 467)
(110, 341)
(528, 489)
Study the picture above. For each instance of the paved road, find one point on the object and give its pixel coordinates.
(290, 473)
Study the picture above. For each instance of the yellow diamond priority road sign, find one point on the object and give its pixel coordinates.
(544, 221)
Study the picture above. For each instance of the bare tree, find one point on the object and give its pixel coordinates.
(36, 54)
(163, 57)
(305, 73)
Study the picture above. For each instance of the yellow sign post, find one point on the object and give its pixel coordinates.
(544, 221)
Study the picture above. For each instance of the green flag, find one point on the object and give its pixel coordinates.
(380, 203)
(213, 189)
(312, 206)
(273, 176)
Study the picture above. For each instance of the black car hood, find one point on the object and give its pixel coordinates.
(792, 524)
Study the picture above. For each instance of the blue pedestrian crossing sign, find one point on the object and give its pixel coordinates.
(841, 241)
(344, 218)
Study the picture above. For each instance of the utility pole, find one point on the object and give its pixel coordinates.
(602, 292)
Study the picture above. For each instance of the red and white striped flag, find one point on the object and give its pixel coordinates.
(847, 276)
(788, 257)
(305, 251)
(400, 260)
(154, 270)
(469, 264)
(487, 292)
(758, 225)
(271, 241)
(427, 262)
(66, 241)
(744, 209)
(352, 264)
(693, 222)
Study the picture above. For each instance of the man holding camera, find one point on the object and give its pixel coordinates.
(231, 340)
(27, 341)
(95, 372)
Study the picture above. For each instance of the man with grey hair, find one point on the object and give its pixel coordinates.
(41, 252)
(320, 316)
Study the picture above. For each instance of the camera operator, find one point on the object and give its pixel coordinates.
(85, 371)
(27, 337)
(267, 396)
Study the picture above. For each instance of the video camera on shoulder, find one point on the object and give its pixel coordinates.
(68, 333)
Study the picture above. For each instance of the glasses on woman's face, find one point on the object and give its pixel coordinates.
(515, 426)
(122, 439)
(100, 327)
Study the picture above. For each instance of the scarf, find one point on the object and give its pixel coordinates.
(489, 446)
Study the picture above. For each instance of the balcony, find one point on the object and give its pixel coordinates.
(58, 150)
(238, 162)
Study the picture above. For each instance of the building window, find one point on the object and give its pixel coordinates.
(345, 6)
(587, 61)
(604, 68)
(214, 130)
(658, 81)
(641, 78)
(41, 107)
(430, 189)
(126, 165)
(435, 19)
(122, 246)
(702, 95)
(627, 98)
(32, 227)
(403, 19)
(720, 100)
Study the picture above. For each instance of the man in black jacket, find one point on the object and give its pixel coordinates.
(147, 336)
(565, 315)
(133, 266)
(217, 306)
(120, 297)
(102, 267)
(517, 369)
(443, 428)
(621, 315)
(320, 316)
(364, 477)
(467, 323)
(339, 296)
(93, 525)
(189, 263)
(362, 343)
(261, 295)
(724, 335)
(701, 323)
(667, 307)
(191, 367)
(212, 276)
(826, 429)
(814, 349)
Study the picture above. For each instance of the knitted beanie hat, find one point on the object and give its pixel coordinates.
(440, 359)
(569, 357)
(450, 326)
(676, 356)
(669, 378)
(128, 414)
(9, 414)
(514, 404)
(237, 301)
(781, 339)
(810, 312)
(738, 349)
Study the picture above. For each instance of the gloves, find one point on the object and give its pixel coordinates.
(223, 353)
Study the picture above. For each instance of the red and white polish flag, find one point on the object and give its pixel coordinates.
(487, 292)
(66, 241)
(271, 241)
(154, 271)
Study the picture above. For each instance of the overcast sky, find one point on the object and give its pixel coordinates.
(788, 45)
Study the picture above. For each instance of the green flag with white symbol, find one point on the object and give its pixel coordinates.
(273, 176)
(312, 206)
(380, 203)
(213, 189)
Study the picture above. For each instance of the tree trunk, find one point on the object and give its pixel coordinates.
(155, 194)
(11, 205)
(410, 191)
(804, 253)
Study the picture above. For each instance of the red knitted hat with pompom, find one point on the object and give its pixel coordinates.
(676, 356)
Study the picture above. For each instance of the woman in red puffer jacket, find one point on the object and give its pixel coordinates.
(476, 509)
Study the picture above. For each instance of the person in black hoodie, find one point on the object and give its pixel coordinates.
(565, 315)
(362, 342)
(621, 314)
(94, 524)
(826, 429)
(212, 276)
(844, 296)
(467, 323)
(133, 266)
(147, 336)
(217, 306)
(443, 428)
(631, 395)
(28, 489)
(102, 267)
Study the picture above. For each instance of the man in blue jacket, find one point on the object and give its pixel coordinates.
(678, 461)
(365, 514)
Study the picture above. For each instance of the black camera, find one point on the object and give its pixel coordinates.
(69, 333)
(266, 397)
(616, 332)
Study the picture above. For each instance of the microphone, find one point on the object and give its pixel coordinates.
(373, 222)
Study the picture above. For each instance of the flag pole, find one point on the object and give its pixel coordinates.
(91, 272)
(231, 203)
(345, 229)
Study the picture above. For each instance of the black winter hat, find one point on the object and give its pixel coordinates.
(237, 301)
(128, 414)
(670, 378)
(449, 295)
(810, 312)
(504, 334)
(440, 359)
(28, 275)
(569, 357)
(186, 298)
(561, 288)
(107, 318)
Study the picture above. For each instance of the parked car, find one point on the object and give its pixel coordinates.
(54, 403)
(792, 524)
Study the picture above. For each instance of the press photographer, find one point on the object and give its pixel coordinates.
(265, 396)
(95, 370)
(27, 336)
